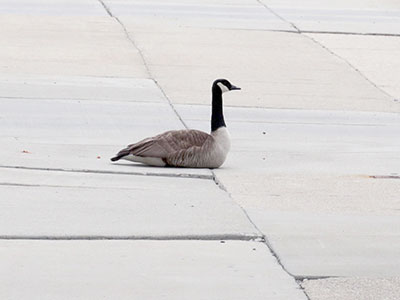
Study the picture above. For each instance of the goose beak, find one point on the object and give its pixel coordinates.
(235, 88)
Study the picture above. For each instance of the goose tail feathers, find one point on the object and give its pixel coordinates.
(115, 158)
(121, 154)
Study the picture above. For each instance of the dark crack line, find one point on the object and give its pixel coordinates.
(298, 31)
(351, 33)
(106, 8)
(170, 175)
(193, 237)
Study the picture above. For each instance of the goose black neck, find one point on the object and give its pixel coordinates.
(217, 115)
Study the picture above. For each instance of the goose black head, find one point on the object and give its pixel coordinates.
(224, 85)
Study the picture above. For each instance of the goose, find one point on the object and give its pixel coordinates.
(188, 148)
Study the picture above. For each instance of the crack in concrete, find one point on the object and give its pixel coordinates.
(106, 8)
(304, 33)
(149, 74)
(351, 33)
(279, 16)
(210, 237)
(299, 31)
(223, 188)
(170, 175)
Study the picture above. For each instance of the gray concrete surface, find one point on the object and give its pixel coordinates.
(353, 16)
(84, 205)
(353, 288)
(312, 176)
(142, 269)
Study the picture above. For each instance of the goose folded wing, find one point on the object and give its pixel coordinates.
(168, 143)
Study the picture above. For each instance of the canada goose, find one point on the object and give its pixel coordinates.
(187, 148)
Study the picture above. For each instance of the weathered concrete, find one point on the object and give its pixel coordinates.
(241, 15)
(51, 204)
(142, 269)
(67, 45)
(353, 288)
(342, 244)
(375, 56)
(353, 16)
(113, 89)
(52, 7)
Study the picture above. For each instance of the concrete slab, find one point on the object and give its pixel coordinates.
(374, 56)
(80, 88)
(48, 204)
(142, 269)
(355, 16)
(211, 14)
(266, 65)
(52, 7)
(353, 288)
(57, 45)
(83, 122)
(318, 245)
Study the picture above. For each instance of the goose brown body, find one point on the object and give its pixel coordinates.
(186, 148)
(181, 148)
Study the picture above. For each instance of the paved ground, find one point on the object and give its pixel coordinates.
(305, 207)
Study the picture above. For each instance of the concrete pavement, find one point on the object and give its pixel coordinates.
(308, 193)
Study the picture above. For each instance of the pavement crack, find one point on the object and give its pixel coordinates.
(223, 188)
(262, 237)
(193, 237)
(351, 33)
(148, 71)
(279, 16)
(106, 8)
(170, 175)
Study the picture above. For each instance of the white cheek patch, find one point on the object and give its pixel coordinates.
(222, 87)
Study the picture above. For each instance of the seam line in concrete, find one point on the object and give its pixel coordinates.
(352, 33)
(106, 8)
(211, 237)
(314, 31)
(132, 41)
(191, 176)
(278, 16)
(81, 99)
(223, 188)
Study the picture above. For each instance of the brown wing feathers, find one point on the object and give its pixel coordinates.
(164, 144)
